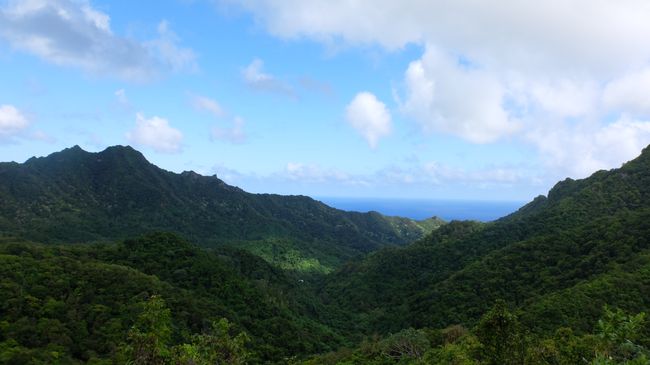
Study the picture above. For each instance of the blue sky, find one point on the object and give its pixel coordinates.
(360, 98)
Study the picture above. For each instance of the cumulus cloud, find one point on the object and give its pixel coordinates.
(494, 70)
(369, 117)
(630, 92)
(155, 133)
(234, 134)
(565, 97)
(444, 95)
(257, 79)
(579, 150)
(73, 33)
(12, 121)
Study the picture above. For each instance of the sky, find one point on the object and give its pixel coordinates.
(469, 99)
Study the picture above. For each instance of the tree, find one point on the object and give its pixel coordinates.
(149, 338)
(215, 348)
(499, 333)
(618, 333)
(409, 343)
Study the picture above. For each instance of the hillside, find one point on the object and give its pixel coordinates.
(81, 300)
(77, 196)
(547, 260)
(564, 280)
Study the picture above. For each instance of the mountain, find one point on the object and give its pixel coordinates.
(558, 260)
(77, 196)
(564, 280)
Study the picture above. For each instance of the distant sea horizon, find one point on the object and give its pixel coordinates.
(419, 209)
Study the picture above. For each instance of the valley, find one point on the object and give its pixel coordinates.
(92, 242)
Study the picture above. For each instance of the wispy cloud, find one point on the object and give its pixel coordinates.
(226, 128)
(167, 51)
(405, 180)
(203, 103)
(122, 101)
(255, 77)
(234, 134)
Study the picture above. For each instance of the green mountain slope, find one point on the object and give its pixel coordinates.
(80, 301)
(77, 196)
(551, 267)
(585, 231)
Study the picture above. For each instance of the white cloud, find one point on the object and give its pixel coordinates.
(579, 150)
(234, 134)
(565, 97)
(491, 70)
(598, 36)
(167, 51)
(122, 101)
(630, 92)
(121, 96)
(207, 104)
(411, 179)
(311, 173)
(435, 173)
(369, 117)
(444, 95)
(72, 33)
(257, 79)
(12, 121)
(155, 133)
(14, 125)
(39, 135)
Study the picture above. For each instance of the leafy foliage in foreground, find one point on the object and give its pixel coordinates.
(500, 339)
(149, 341)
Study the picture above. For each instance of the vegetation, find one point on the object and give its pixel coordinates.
(559, 259)
(565, 280)
(500, 339)
(79, 302)
(77, 196)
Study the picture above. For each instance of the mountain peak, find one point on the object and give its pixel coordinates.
(122, 151)
(71, 153)
(74, 150)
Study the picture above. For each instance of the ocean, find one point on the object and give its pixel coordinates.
(483, 211)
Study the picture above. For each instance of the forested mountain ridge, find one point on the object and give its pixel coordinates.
(564, 280)
(587, 233)
(77, 196)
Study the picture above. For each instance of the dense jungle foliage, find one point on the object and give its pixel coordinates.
(564, 280)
